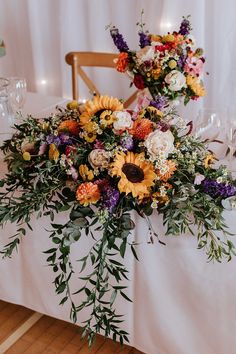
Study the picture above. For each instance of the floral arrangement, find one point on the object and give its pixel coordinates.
(169, 65)
(99, 163)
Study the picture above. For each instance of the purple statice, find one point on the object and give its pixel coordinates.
(181, 61)
(143, 40)
(110, 198)
(59, 139)
(118, 40)
(217, 189)
(185, 27)
(127, 142)
(160, 102)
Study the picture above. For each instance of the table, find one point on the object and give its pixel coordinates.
(181, 303)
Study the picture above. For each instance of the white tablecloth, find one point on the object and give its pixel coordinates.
(182, 304)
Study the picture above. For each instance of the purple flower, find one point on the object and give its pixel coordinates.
(160, 102)
(59, 139)
(143, 40)
(216, 189)
(110, 198)
(181, 61)
(118, 40)
(185, 27)
(127, 142)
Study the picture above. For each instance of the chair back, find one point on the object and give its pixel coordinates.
(77, 60)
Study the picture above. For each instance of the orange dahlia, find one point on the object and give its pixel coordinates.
(69, 126)
(168, 172)
(142, 127)
(87, 193)
(122, 62)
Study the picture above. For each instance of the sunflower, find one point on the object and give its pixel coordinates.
(69, 126)
(136, 174)
(87, 193)
(90, 137)
(99, 103)
(107, 118)
(209, 159)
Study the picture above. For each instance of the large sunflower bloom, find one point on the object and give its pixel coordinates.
(87, 193)
(99, 103)
(136, 174)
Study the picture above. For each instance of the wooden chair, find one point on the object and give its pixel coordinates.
(77, 60)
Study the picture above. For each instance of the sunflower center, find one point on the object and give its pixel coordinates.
(133, 172)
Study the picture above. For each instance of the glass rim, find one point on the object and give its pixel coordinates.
(4, 82)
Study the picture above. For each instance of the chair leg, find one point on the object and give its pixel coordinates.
(75, 92)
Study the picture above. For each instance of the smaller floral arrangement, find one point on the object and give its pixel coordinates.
(169, 65)
(98, 163)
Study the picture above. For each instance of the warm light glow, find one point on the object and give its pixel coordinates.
(165, 25)
(43, 82)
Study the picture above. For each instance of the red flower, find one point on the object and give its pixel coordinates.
(70, 149)
(139, 82)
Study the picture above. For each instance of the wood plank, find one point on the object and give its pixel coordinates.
(13, 318)
(17, 334)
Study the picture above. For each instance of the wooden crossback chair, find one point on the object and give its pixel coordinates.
(77, 60)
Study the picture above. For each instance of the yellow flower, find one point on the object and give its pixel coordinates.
(170, 168)
(85, 173)
(53, 153)
(195, 85)
(172, 64)
(209, 159)
(168, 38)
(156, 38)
(107, 118)
(156, 73)
(136, 174)
(87, 193)
(90, 127)
(90, 137)
(154, 111)
(26, 156)
(72, 105)
(97, 104)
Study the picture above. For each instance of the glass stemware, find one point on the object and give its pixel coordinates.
(209, 123)
(230, 130)
(17, 93)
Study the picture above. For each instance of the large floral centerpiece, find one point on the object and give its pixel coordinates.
(169, 65)
(100, 163)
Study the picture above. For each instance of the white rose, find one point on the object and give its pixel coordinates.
(146, 54)
(159, 142)
(123, 120)
(99, 158)
(176, 80)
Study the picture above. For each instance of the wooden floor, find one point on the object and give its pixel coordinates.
(47, 335)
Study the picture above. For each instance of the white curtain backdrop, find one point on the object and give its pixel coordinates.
(38, 34)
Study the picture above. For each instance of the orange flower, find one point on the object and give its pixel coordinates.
(69, 126)
(168, 172)
(87, 193)
(122, 62)
(142, 127)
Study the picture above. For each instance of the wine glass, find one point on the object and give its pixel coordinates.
(230, 130)
(17, 93)
(209, 123)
